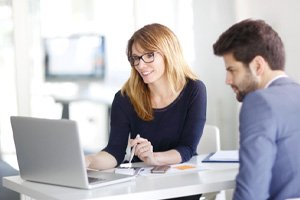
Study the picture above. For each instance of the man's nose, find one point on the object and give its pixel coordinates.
(228, 79)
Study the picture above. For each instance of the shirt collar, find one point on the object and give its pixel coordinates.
(274, 79)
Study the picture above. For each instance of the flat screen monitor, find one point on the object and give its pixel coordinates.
(75, 58)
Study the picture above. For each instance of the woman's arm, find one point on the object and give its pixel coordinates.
(167, 157)
(100, 161)
(193, 122)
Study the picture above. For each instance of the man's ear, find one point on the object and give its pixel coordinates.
(258, 65)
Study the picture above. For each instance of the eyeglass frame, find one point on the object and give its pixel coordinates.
(138, 58)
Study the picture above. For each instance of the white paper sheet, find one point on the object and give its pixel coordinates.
(225, 155)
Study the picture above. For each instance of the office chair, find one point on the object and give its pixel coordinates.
(210, 142)
(7, 170)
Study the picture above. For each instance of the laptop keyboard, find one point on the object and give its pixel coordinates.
(95, 180)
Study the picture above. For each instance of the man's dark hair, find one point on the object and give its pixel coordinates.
(250, 38)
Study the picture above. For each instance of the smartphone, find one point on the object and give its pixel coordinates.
(160, 169)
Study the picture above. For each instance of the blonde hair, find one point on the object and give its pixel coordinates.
(156, 38)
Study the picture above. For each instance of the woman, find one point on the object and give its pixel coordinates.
(162, 101)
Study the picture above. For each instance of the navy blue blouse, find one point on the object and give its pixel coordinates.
(178, 126)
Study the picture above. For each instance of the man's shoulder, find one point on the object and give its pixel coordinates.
(277, 88)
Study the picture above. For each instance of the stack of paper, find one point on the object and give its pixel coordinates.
(223, 156)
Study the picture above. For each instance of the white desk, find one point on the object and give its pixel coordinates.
(215, 177)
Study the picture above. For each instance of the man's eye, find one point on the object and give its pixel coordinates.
(230, 70)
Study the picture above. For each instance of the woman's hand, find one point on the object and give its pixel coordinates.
(87, 161)
(144, 150)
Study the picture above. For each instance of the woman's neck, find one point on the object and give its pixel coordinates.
(162, 96)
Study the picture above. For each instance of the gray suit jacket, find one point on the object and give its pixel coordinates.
(270, 143)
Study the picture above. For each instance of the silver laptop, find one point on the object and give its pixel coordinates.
(49, 151)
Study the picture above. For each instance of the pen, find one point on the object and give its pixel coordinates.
(129, 164)
(133, 150)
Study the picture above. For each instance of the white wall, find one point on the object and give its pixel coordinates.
(211, 18)
(284, 17)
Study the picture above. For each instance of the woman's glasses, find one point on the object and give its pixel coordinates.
(135, 60)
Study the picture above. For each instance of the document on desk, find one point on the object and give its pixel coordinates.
(223, 156)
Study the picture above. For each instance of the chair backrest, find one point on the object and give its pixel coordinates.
(210, 140)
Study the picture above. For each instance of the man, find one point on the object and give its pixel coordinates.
(254, 58)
